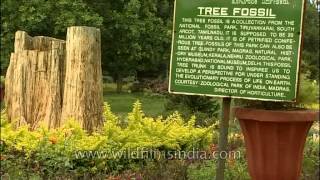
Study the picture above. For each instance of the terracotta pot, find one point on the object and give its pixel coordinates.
(274, 141)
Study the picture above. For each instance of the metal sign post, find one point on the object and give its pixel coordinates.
(223, 136)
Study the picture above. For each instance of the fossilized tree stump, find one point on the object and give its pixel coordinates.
(51, 81)
(83, 95)
(34, 81)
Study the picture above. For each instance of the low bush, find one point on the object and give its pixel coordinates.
(308, 97)
(311, 164)
(206, 109)
(137, 149)
(236, 168)
(136, 87)
(69, 152)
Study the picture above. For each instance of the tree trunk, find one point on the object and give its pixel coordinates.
(83, 93)
(34, 81)
(119, 84)
(43, 84)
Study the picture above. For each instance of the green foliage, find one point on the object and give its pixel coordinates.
(311, 164)
(236, 169)
(136, 37)
(41, 17)
(206, 109)
(308, 91)
(310, 168)
(2, 79)
(308, 94)
(71, 152)
(166, 169)
(310, 55)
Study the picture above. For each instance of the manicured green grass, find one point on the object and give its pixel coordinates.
(121, 103)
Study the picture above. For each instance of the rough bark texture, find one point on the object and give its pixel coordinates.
(34, 81)
(83, 95)
(49, 80)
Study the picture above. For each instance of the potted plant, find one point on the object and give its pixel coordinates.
(275, 133)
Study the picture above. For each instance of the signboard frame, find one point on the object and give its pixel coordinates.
(298, 68)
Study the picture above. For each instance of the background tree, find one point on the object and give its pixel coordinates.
(41, 17)
(136, 37)
(205, 108)
(136, 34)
(310, 54)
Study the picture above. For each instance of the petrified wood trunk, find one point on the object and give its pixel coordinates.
(34, 81)
(83, 95)
(48, 81)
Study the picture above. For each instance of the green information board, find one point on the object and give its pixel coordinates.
(237, 48)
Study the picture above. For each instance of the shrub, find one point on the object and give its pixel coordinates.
(206, 109)
(136, 87)
(69, 152)
(236, 169)
(308, 95)
(157, 86)
(311, 164)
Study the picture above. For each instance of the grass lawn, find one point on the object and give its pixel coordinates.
(121, 103)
